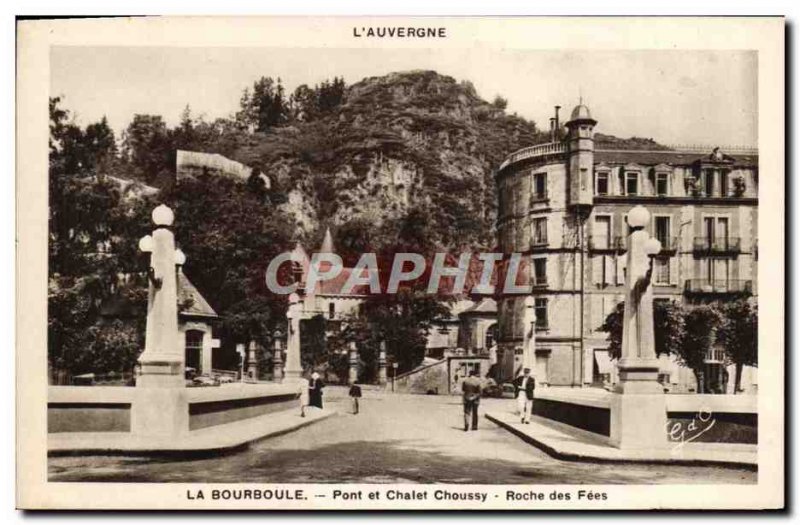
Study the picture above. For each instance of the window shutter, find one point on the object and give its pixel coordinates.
(673, 270)
(621, 263)
(610, 269)
(597, 270)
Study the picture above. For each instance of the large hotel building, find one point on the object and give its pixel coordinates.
(563, 205)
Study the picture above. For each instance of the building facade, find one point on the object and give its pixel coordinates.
(563, 206)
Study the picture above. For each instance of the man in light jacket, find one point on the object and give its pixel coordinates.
(523, 391)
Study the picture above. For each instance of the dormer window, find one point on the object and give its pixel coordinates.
(662, 184)
(601, 183)
(631, 183)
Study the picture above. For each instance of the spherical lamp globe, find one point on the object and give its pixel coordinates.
(163, 216)
(652, 247)
(146, 244)
(638, 217)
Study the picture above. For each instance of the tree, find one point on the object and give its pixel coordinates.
(701, 323)
(230, 234)
(265, 106)
(668, 328)
(89, 248)
(148, 148)
(738, 336)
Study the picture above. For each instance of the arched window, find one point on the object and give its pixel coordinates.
(490, 337)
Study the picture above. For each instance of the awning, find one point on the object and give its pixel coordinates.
(603, 360)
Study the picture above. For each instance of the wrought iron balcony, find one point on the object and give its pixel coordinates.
(718, 286)
(538, 197)
(670, 244)
(718, 245)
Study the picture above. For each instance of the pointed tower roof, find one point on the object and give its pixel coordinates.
(299, 254)
(327, 243)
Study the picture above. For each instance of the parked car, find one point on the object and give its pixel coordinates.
(204, 380)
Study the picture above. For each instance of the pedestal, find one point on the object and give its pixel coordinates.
(353, 371)
(160, 373)
(638, 407)
(160, 411)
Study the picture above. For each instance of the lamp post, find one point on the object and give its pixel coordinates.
(394, 374)
(638, 410)
(162, 362)
(159, 404)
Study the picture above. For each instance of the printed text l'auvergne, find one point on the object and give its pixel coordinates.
(399, 32)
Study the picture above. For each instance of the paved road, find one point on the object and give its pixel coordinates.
(396, 439)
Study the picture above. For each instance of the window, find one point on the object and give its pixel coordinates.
(631, 183)
(723, 183)
(540, 307)
(491, 336)
(662, 227)
(194, 347)
(540, 186)
(601, 234)
(601, 187)
(331, 310)
(540, 231)
(662, 184)
(708, 183)
(540, 271)
(661, 270)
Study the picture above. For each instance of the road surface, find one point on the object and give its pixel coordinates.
(395, 439)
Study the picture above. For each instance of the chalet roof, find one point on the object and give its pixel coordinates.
(190, 300)
(486, 305)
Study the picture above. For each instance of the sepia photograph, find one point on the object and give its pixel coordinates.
(406, 272)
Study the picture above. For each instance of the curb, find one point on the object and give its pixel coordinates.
(570, 456)
(194, 453)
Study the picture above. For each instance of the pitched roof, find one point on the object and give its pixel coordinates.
(675, 158)
(486, 305)
(190, 301)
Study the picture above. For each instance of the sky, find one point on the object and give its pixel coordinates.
(674, 97)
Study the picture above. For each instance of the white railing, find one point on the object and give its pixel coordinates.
(539, 150)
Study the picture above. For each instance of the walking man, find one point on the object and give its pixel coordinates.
(471, 388)
(355, 395)
(523, 387)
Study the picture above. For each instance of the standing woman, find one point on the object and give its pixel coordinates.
(315, 385)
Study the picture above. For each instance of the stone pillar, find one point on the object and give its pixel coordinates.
(382, 364)
(638, 409)
(160, 406)
(529, 334)
(353, 376)
(252, 361)
(162, 362)
(294, 367)
(277, 362)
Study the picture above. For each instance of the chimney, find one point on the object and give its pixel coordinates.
(557, 125)
(552, 129)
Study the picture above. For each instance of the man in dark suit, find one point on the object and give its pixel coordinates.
(523, 391)
(471, 388)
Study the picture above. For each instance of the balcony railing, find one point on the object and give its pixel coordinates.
(718, 286)
(540, 150)
(537, 197)
(670, 244)
(717, 245)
